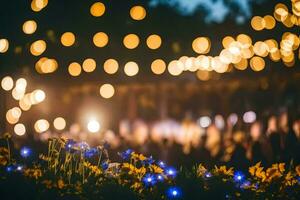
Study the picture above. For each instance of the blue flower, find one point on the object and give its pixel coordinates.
(238, 176)
(171, 172)
(160, 177)
(174, 193)
(148, 161)
(161, 164)
(83, 146)
(245, 184)
(25, 152)
(69, 144)
(149, 180)
(90, 152)
(10, 168)
(105, 165)
(125, 155)
(207, 175)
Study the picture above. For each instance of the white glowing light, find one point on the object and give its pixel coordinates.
(204, 122)
(93, 126)
(249, 117)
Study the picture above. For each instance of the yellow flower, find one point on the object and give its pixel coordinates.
(289, 179)
(60, 184)
(223, 170)
(201, 170)
(156, 169)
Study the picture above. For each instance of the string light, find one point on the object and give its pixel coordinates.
(100, 39)
(67, 39)
(7, 83)
(107, 91)
(29, 27)
(4, 45)
(131, 41)
(111, 66)
(97, 9)
(138, 13)
(131, 69)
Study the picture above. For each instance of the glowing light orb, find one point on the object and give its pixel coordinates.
(38, 47)
(154, 41)
(29, 27)
(25, 152)
(131, 41)
(4, 45)
(158, 66)
(131, 69)
(100, 39)
(41, 126)
(20, 129)
(97, 9)
(74, 69)
(138, 13)
(111, 66)
(93, 126)
(107, 91)
(59, 123)
(67, 39)
(89, 65)
(7, 83)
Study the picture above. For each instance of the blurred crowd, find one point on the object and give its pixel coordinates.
(233, 141)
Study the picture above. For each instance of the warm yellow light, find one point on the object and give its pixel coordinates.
(93, 126)
(89, 65)
(13, 115)
(245, 40)
(38, 47)
(68, 39)
(174, 68)
(59, 123)
(158, 66)
(257, 63)
(29, 27)
(201, 45)
(227, 41)
(38, 96)
(261, 49)
(41, 126)
(270, 22)
(131, 69)
(131, 41)
(16, 112)
(7, 83)
(107, 91)
(97, 9)
(242, 65)
(19, 129)
(100, 39)
(18, 94)
(25, 103)
(4, 45)
(203, 75)
(258, 23)
(154, 41)
(138, 13)
(111, 66)
(38, 5)
(74, 69)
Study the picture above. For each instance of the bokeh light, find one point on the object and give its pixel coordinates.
(131, 41)
(111, 66)
(158, 66)
(131, 69)
(138, 13)
(7, 83)
(59, 123)
(41, 126)
(29, 27)
(68, 39)
(89, 65)
(20, 129)
(38, 47)
(74, 69)
(97, 9)
(93, 126)
(100, 39)
(4, 45)
(107, 91)
(38, 5)
(154, 41)
(201, 45)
